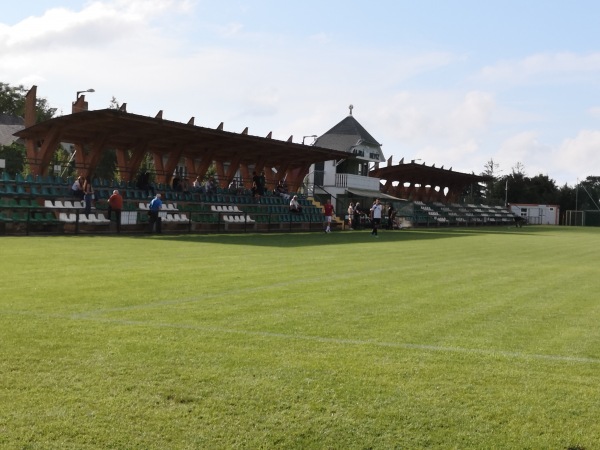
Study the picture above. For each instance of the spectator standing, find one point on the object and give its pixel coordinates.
(115, 204)
(262, 184)
(77, 188)
(328, 211)
(256, 186)
(391, 217)
(350, 214)
(357, 213)
(376, 216)
(88, 195)
(153, 212)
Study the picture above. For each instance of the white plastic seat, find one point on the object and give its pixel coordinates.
(58, 204)
(143, 206)
(48, 204)
(101, 218)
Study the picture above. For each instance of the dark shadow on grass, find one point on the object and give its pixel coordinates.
(316, 239)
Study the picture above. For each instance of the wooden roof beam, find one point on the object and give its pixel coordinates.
(93, 158)
(47, 149)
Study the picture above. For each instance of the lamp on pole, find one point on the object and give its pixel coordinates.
(304, 137)
(81, 92)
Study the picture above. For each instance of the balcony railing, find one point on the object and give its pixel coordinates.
(347, 180)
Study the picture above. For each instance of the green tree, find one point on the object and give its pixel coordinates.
(543, 190)
(14, 157)
(588, 193)
(490, 169)
(566, 198)
(12, 102)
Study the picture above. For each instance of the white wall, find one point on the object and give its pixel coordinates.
(537, 214)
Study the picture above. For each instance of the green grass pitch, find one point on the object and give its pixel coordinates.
(482, 338)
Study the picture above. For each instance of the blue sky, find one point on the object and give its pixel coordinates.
(455, 83)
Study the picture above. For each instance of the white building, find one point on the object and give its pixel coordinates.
(347, 177)
(537, 214)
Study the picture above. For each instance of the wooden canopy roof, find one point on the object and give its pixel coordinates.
(425, 183)
(171, 144)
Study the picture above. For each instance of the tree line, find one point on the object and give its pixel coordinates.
(518, 187)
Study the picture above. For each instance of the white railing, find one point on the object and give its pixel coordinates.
(347, 180)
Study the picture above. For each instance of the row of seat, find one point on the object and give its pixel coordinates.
(21, 216)
(66, 204)
(460, 214)
(97, 218)
(225, 208)
(238, 218)
(175, 218)
(166, 206)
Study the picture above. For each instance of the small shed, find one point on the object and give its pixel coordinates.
(537, 214)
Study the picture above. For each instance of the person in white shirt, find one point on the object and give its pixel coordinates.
(350, 214)
(376, 216)
(295, 206)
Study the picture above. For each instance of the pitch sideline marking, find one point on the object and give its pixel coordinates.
(322, 339)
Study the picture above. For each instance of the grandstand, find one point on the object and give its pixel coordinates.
(44, 204)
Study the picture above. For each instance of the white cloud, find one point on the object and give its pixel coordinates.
(581, 154)
(473, 114)
(595, 112)
(97, 25)
(439, 115)
(542, 67)
(524, 146)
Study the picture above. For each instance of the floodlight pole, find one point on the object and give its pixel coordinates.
(82, 92)
(576, 194)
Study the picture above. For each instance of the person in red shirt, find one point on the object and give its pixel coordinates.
(115, 204)
(328, 211)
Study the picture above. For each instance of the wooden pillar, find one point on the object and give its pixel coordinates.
(30, 120)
